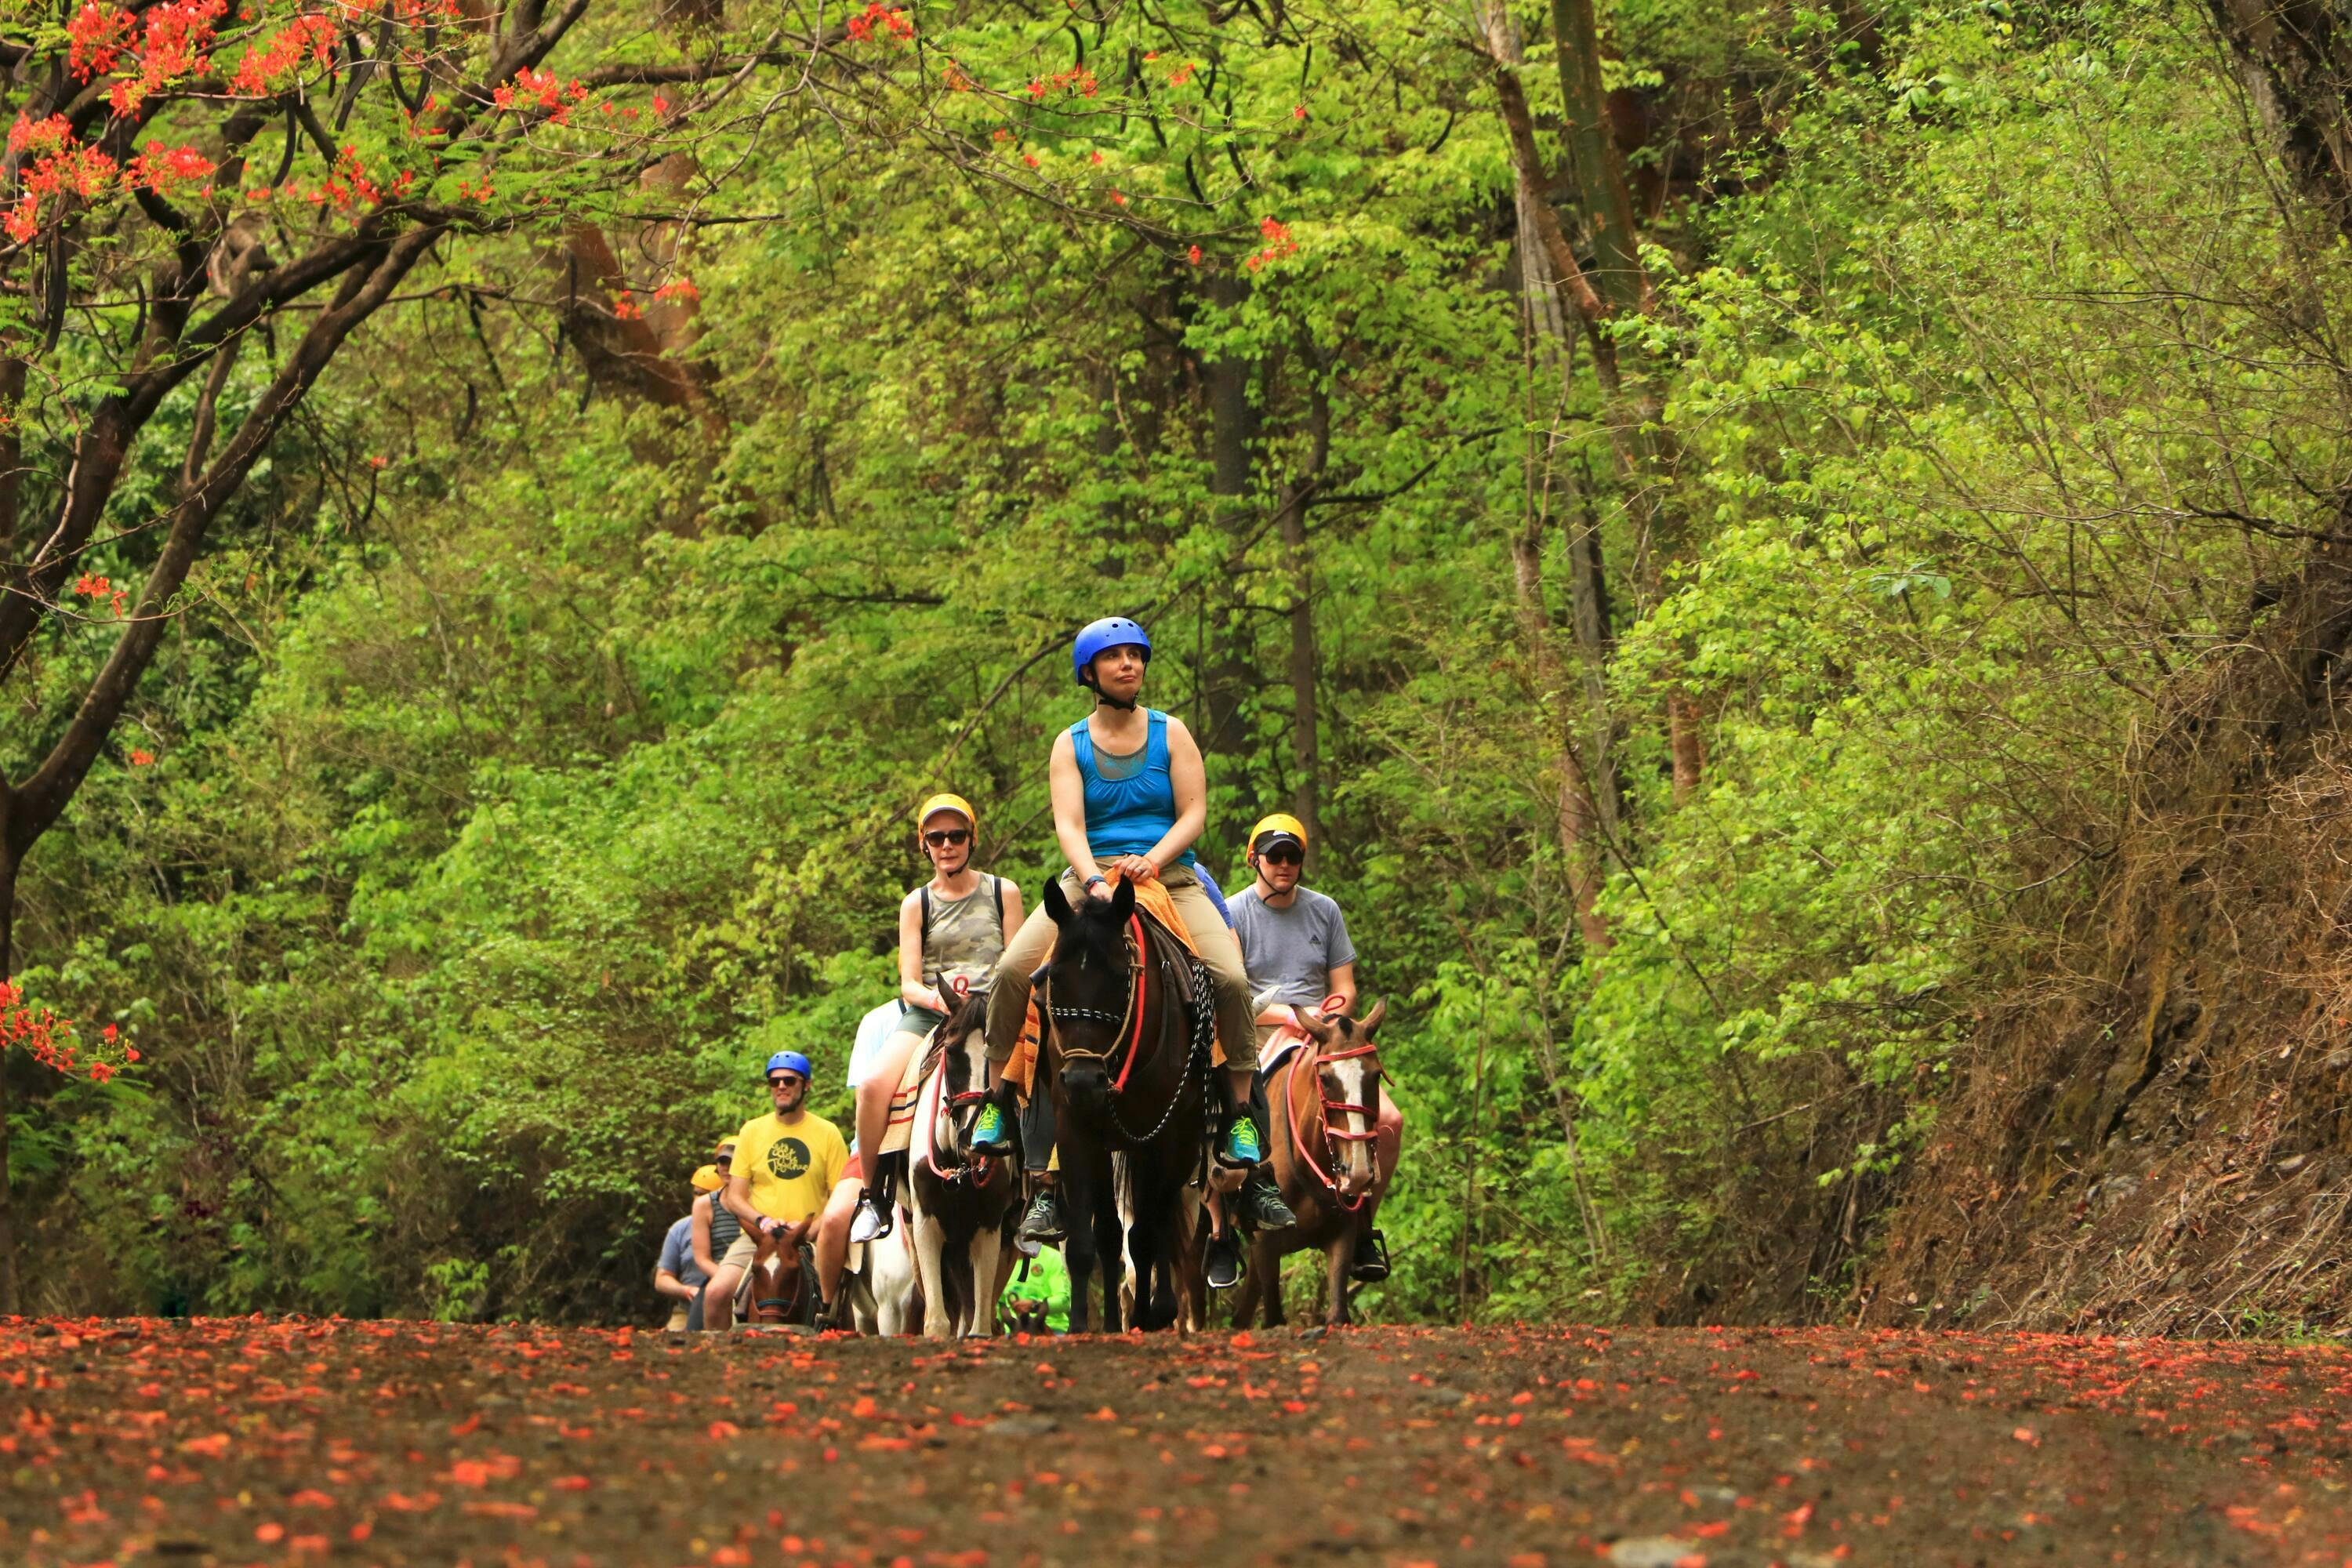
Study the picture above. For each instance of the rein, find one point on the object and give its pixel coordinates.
(1309, 1059)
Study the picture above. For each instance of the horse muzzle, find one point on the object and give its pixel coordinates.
(1086, 1086)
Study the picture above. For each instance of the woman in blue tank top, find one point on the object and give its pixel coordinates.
(1130, 796)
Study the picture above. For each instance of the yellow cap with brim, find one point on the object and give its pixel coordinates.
(708, 1180)
(955, 803)
(1281, 825)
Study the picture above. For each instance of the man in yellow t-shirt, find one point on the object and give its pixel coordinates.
(791, 1176)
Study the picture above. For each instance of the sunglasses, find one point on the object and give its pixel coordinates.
(1283, 857)
(721, 1159)
(938, 838)
(784, 1077)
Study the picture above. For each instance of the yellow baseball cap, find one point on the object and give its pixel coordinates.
(955, 803)
(1281, 824)
(708, 1180)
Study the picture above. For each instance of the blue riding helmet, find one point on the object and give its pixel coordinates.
(1099, 636)
(789, 1061)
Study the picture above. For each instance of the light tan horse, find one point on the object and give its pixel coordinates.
(1334, 1155)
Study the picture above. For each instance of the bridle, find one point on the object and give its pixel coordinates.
(1310, 1058)
(947, 1106)
(1127, 1043)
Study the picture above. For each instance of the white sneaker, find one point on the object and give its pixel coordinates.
(870, 1225)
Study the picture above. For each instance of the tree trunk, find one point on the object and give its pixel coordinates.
(2295, 60)
(11, 1295)
(1596, 641)
(1305, 719)
(1588, 788)
(1592, 157)
(1232, 433)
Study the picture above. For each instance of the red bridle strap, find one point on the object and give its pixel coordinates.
(1311, 1060)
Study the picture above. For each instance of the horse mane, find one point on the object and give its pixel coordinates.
(966, 1015)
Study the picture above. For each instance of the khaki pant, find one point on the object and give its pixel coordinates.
(1008, 991)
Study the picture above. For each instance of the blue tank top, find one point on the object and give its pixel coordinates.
(1130, 800)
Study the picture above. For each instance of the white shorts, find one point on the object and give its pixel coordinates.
(874, 1032)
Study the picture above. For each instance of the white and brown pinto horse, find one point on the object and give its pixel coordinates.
(1334, 1151)
(957, 1204)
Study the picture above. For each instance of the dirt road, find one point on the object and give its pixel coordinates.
(248, 1441)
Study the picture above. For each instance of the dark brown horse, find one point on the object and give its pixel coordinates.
(1330, 1156)
(1128, 1049)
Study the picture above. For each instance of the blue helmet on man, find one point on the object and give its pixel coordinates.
(1100, 636)
(789, 1061)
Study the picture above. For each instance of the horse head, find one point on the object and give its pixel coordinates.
(962, 1047)
(1347, 1079)
(1089, 987)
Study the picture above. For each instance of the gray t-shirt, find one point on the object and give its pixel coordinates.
(677, 1253)
(1292, 949)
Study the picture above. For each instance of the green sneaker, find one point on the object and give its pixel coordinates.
(1242, 1145)
(989, 1134)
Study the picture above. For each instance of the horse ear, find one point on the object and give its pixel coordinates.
(1058, 903)
(1371, 1020)
(1311, 1025)
(1122, 903)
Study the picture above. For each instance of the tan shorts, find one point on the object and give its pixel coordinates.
(677, 1324)
(740, 1252)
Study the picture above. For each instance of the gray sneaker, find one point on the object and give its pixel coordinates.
(1262, 1201)
(1044, 1222)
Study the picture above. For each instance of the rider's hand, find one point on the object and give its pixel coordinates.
(1135, 869)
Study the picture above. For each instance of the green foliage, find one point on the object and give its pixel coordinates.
(515, 804)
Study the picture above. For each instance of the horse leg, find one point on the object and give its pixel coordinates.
(1078, 1251)
(929, 1241)
(1244, 1299)
(1109, 1246)
(1143, 1242)
(892, 1267)
(987, 1241)
(1265, 1268)
(1336, 1260)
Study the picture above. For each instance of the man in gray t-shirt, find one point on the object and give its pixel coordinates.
(1295, 944)
(1294, 939)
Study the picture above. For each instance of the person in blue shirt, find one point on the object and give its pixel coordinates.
(1130, 794)
(676, 1275)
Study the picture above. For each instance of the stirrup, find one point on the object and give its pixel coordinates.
(1370, 1264)
(873, 1221)
(1224, 1257)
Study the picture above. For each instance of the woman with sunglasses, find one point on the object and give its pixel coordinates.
(951, 930)
(714, 1231)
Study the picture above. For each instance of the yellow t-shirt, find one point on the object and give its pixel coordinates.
(792, 1169)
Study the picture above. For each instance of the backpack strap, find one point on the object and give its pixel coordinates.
(996, 903)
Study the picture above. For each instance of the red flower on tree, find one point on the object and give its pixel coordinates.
(50, 1038)
(96, 38)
